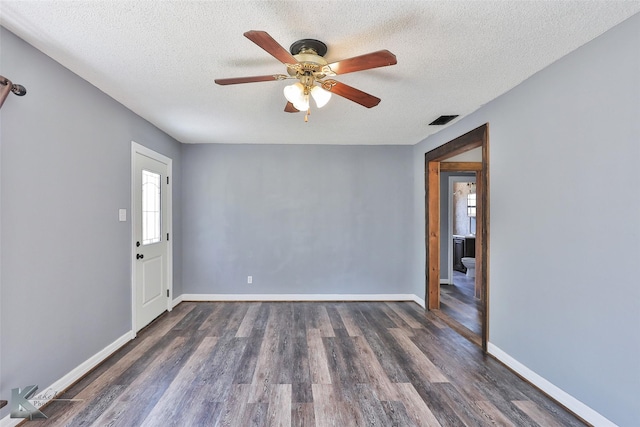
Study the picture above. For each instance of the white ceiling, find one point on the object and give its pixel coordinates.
(160, 59)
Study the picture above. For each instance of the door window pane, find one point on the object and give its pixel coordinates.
(151, 207)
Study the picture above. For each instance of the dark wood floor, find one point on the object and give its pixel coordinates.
(302, 364)
(459, 303)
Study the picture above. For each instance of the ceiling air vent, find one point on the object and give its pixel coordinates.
(442, 120)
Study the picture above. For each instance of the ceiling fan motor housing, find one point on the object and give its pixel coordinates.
(309, 53)
(308, 44)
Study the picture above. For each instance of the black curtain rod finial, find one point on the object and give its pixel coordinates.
(6, 86)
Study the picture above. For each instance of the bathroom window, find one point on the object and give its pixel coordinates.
(471, 204)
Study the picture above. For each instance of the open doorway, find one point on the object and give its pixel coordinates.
(435, 164)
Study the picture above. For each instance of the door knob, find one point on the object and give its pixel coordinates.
(139, 256)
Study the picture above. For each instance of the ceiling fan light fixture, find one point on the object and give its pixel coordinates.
(305, 62)
(320, 96)
(295, 95)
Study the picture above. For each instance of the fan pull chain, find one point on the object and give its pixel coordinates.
(306, 116)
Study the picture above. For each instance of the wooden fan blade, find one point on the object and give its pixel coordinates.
(237, 80)
(289, 108)
(351, 93)
(381, 58)
(265, 41)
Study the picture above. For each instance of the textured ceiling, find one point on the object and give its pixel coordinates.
(160, 59)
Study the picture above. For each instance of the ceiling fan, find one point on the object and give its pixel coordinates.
(305, 62)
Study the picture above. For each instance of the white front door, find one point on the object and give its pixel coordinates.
(151, 224)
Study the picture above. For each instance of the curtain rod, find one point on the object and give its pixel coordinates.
(6, 86)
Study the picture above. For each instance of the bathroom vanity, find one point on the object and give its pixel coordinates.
(463, 246)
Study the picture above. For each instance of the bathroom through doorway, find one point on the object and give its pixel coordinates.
(448, 158)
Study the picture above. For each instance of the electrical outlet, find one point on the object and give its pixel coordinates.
(249, 279)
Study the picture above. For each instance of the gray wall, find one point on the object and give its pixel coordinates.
(564, 293)
(299, 219)
(65, 262)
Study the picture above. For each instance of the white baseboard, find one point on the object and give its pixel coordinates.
(445, 282)
(177, 301)
(78, 372)
(561, 396)
(302, 297)
(419, 301)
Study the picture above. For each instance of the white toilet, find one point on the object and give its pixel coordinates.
(470, 264)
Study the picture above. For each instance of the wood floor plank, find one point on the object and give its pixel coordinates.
(276, 350)
(459, 327)
(399, 323)
(237, 315)
(300, 368)
(375, 315)
(465, 409)
(286, 360)
(329, 410)
(301, 392)
(387, 355)
(216, 383)
(204, 413)
(168, 321)
(267, 364)
(176, 398)
(426, 318)
(493, 414)
(325, 407)
(345, 366)
(257, 414)
(194, 319)
(348, 321)
(214, 323)
(299, 321)
(303, 364)
(416, 408)
(373, 413)
(302, 414)
(249, 320)
(334, 316)
(249, 359)
(406, 317)
(454, 363)
(280, 406)
(461, 309)
(235, 411)
(131, 407)
(319, 320)
(426, 367)
(535, 413)
(397, 414)
(318, 363)
(377, 378)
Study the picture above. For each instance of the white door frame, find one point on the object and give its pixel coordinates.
(135, 149)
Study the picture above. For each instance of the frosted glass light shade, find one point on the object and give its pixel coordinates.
(321, 96)
(295, 95)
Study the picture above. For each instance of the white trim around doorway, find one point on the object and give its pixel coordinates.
(141, 149)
